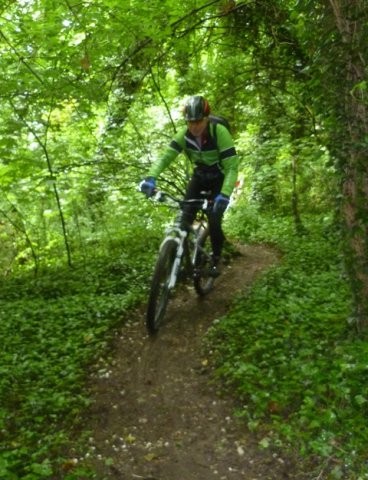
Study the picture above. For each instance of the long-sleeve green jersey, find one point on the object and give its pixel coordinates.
(217, 147)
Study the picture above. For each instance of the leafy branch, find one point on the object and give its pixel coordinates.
(43, 145)
(21, 58)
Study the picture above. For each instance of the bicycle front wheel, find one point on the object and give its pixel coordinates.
(203, 276)
(160, 291)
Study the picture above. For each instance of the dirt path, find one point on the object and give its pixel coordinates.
(156, 414)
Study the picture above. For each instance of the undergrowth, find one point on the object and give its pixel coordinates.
(298, 368)
(53, 328)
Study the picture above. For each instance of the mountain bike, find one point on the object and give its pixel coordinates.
(183, 253)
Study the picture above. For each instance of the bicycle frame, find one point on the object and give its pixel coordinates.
(181, 237)
(196, 231)
(179, 244)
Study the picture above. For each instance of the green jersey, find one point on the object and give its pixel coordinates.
(214, 147)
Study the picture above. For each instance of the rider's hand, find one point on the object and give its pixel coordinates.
(221, 203)
(147, 186)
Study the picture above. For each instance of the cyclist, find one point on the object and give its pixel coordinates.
(211, 149)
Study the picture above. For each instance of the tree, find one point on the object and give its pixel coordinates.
(75, 79)
(351, 20)
(336, 42)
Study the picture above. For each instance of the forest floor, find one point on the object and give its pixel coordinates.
(158, 414)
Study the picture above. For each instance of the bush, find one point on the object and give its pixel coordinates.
(53, 327)
(288, 352)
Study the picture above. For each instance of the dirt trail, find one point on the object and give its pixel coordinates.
(157, 415)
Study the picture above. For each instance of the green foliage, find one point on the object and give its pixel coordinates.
(287, 351)
(99, 88)
(53, 327)
(89, 93)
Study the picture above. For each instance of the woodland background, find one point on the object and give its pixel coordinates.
(90, 92)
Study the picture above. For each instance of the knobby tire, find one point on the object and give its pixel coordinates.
(160, 293)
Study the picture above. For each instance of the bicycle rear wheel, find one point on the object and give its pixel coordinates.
(203, 278)
(160, 291)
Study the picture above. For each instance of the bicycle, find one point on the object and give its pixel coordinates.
(182, 252)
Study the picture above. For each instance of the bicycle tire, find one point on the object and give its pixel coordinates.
(203, 280)
(160, 293)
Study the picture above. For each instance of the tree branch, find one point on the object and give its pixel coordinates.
(43, 146)
(163, 99)
(35, 74)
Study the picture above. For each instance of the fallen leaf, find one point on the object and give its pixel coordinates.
(130, 438)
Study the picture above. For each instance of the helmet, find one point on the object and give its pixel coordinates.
(196, 108)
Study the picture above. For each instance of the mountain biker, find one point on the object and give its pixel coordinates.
(211, 149)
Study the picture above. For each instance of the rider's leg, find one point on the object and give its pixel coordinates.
(189, 212)
(215, 220)
(216, 233)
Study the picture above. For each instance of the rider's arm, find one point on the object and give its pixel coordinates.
(228, 159)
(175, 147)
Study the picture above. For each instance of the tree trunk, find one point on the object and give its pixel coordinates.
(299, 227)
(351, 17)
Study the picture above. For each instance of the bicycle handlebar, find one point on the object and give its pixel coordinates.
(202, 203)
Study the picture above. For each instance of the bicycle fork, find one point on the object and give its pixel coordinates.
(180, 240)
